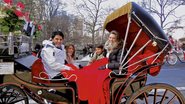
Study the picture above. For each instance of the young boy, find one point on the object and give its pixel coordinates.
(99, 54)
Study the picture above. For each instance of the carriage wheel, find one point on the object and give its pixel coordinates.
(12, 94)
(156, 93)
(172, 59)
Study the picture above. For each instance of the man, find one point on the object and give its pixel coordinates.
(53, 55)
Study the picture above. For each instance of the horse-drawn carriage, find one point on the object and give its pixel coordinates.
(146, 46)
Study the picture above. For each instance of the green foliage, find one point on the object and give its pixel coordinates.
(10, 22)
(37, 34)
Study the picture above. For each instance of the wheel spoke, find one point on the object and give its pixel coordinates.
(146, 100)
(11, 94)
(2, 96)
(155, 94)
(163, 97)
(16, 96)
(170, 95)
(2, 100)
(15, 101)
(170, 102)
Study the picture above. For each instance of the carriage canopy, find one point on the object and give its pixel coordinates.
(143, 38)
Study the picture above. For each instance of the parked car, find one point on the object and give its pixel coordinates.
(79, 54)
(84, 61)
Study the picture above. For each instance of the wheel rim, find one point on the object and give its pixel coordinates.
(172, 59)
(12, 95)
(157, 94)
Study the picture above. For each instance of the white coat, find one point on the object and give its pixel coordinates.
(53, 59)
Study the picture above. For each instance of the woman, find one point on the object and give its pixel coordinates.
(114, 50)
(70, 52)
(70, 55)
(113, 47)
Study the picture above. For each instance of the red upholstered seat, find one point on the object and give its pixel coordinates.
(39, 74)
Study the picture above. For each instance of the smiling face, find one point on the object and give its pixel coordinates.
(99, 51)
(57, 40)
(112, 38)
(70, 50)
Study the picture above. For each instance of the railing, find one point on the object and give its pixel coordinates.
(21, 44)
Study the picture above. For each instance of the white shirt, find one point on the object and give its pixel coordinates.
(53, 59)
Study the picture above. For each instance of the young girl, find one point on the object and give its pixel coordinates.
(70, 52)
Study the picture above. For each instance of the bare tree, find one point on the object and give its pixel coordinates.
(165, 10)
(52, 7)
(48, 14)
(52, 14)
(93, 13)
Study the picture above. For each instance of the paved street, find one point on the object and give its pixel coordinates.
(173, 75)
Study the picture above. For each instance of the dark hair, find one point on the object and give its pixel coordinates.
(104, 50)
(37, 47)
(57, 33)
(170, 36)
(100, 46)
(67, 46)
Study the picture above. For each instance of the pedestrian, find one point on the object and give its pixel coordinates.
(37, 49)
(84, 51)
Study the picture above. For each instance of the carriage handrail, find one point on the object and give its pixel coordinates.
(46, 79)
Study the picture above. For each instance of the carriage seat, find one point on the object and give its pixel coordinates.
(39, 75)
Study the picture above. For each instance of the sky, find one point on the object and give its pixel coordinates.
(179, 33)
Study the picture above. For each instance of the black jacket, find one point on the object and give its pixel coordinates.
(114, 59)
